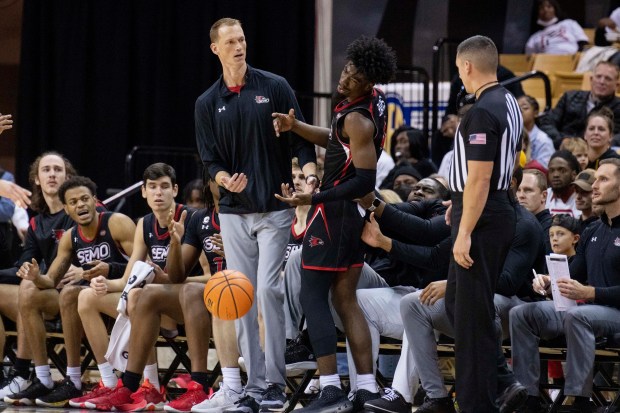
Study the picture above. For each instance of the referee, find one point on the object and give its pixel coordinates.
(483, 220)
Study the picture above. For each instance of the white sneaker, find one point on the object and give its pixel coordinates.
(223, 398)
(17, 385)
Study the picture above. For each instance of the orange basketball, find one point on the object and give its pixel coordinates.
(229, 294)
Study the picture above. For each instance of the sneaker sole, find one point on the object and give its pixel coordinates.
(173, 410)
(77, 405)
(139, 407)
(19, 402)
(268, 409)
(379, 409)
(217, 409)
(41, 403)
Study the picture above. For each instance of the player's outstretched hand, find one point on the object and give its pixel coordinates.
(176, 229)
(235, 183)
(283, 122)
(29, 270)
(293, 198)
(371, 234)
(15, 193)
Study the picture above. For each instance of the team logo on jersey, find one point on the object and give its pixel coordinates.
(223, 108)
(261, 99)
(205, 223)
(617, 242)
(96, 252)
(381, 106)
(315, 241)
(159, 253)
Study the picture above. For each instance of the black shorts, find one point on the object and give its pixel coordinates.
(333, 237)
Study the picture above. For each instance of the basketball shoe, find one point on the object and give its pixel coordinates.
(222, 399)
(194, 395)
(146, 398)
(98, 391)
(60, 396)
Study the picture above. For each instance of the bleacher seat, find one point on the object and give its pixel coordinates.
(517, 63)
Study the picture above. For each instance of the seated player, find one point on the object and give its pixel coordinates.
(105, 237)
(150, 240)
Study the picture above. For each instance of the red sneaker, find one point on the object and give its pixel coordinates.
(146, 398)
(183, 404)
(112, 401)
(97, 391)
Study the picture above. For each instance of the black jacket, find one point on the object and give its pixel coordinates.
(568, 118)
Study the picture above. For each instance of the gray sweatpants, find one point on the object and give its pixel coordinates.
(422, 320)
(581, 325)
(255, 245)
(292, 284)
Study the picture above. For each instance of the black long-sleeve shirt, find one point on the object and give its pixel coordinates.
(234, 133)
(597, 261)
(527, 251)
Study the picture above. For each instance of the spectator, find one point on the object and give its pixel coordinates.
(532, 195)
(595, 280)
(607, 25)
(410, 145)
(540, 145)
(568, 117)
(405, 177)
(583, 201)
(556, 35)
(579, 148)
(563, 169)
(599, 131)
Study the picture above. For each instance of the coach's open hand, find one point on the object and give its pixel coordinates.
(294, 198)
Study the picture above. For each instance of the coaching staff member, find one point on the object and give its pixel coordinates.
(238, 145)
(483, 220)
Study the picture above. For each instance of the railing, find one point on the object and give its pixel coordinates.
(530, 75)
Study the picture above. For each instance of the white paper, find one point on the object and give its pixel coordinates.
(557, 264)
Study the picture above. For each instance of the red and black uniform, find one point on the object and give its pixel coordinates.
(294, 242)
(41, 242)
(157, 239)
(103, 247)
(204, 224)
(332, 241)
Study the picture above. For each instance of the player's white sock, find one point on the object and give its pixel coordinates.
(107, 375)
(44, 375)
(150, 373)
(367, 382)
(75, 375)
(330, 380)
(232, 378)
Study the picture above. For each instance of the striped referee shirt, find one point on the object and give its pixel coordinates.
(489, 131)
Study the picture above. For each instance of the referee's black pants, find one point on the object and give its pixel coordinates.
(469, 302)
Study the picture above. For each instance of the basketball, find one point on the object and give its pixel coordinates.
(229, 294)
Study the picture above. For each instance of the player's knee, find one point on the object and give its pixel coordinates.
(270, 292)
(86, 299)
(191, 295)
(27, 295)
(69, 296)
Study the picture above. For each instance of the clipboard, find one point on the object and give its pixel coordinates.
(557, 264)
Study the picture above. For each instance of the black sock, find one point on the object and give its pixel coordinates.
(22, 367)
(131, 380)
(202, 378)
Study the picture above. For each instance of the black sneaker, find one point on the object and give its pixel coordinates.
(331, 400)
(299, 355)
(440, 405)
(391, 402)
(246, 404)
(512, 398)
(274, 400)
(28, 396)
(61, 395)
(419, 397)
(583, 405)
(13, 383)
(361, 397)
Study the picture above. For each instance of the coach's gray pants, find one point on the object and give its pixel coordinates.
(422, 320)
(581, 325)
(255, 245)
(292, 284)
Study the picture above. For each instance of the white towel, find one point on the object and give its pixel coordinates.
(117, 354)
